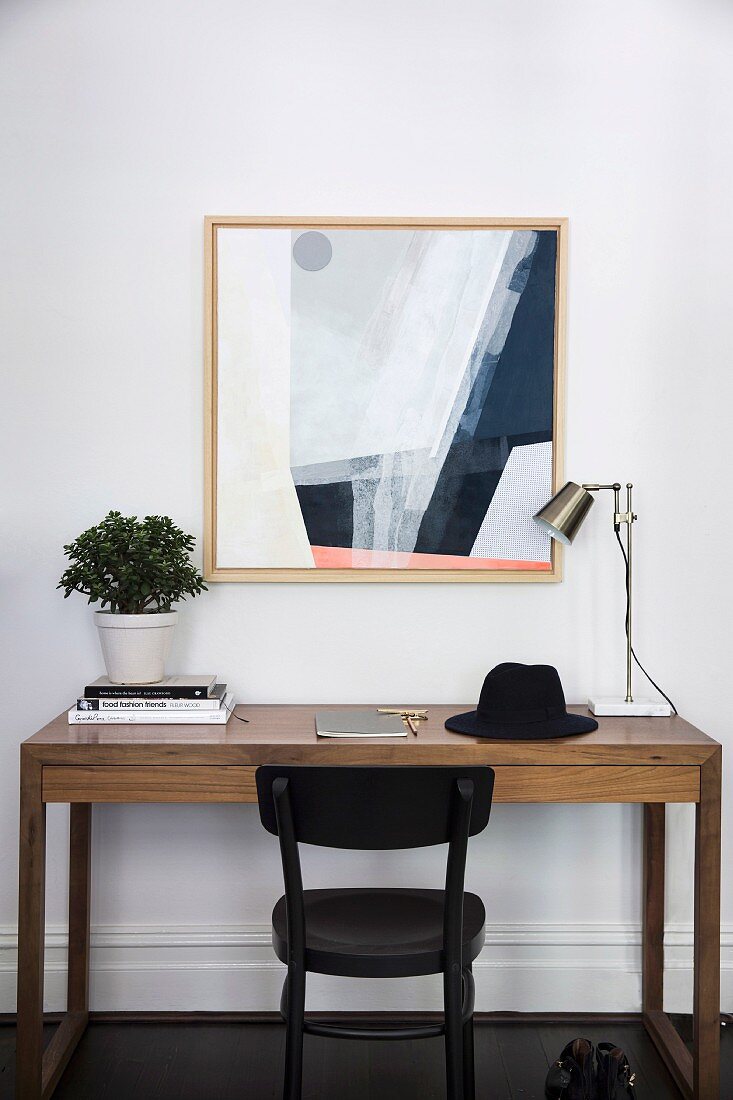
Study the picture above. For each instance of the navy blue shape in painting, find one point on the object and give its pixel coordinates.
(328, 512)
(522, 387)
(519, 383)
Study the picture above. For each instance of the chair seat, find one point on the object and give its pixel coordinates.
(378, 933)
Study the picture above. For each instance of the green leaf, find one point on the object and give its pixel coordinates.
(132, 565)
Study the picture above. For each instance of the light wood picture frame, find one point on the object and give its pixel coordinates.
(384, 398)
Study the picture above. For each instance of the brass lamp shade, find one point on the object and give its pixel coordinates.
(563, 515)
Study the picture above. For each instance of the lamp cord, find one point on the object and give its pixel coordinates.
(240, 719)
(633, 654)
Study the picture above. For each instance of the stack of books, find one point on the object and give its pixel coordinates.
(177, 699)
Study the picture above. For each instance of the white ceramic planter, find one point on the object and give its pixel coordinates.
(135, 647)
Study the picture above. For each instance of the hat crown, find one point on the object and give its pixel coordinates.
(515, 691)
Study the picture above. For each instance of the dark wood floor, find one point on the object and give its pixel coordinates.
(226, 1060)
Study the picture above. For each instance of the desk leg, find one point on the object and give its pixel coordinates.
(661, 1030)
(38, 1071)
(31, 931)
(652, 970)
(63, 1043)
(80, 851)
(706, 1001)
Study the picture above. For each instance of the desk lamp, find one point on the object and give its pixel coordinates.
(562, 518)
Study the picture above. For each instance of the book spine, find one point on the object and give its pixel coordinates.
(121, 705)
(118, 691)
(202, 718)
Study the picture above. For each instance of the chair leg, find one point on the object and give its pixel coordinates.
(452, 999)
(469, 1075)
(295, 983)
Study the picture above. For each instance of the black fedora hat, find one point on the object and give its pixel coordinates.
(521, 703)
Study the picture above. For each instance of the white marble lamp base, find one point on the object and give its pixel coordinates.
(615, 705)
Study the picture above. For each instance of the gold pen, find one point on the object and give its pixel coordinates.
(409, 717)
(420, 715)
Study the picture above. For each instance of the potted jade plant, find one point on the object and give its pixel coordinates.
(136, 570)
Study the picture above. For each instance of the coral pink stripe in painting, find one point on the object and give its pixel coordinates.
(344, 557)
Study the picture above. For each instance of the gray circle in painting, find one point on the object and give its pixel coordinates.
(312, 251)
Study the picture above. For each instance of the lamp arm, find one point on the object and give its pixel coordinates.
(619, 517)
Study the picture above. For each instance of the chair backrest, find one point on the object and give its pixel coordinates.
(374, 807)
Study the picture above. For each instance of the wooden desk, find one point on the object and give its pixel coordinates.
(648, 760)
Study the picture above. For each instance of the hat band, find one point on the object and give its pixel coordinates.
(516, 717)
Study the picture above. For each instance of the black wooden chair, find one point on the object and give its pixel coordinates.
(371, 933)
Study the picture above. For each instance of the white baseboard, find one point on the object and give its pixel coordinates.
(523, 967)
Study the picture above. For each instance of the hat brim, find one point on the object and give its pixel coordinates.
(566, 726)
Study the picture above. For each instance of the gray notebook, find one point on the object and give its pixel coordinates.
(359, 723)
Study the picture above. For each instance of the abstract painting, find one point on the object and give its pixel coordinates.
(383, 398)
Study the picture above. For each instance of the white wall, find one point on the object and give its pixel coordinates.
(122, 125)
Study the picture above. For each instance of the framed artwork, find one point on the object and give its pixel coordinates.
(383, 398)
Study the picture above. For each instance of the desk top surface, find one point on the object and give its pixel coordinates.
(283, 733)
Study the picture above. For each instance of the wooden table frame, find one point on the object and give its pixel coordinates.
(651, 761)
